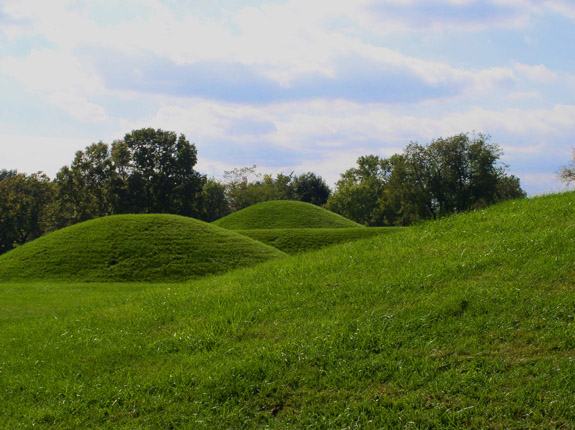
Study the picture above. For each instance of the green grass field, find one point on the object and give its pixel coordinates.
(133, 248)
(296, 240)
(467, 322)
(278, 214)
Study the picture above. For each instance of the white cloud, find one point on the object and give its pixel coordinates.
(564, 8)
(331, 164)
(540, 183)
(62, 79)
(323, 44)
(557, 121)
(206, 120)
(283, 42)
(391, 16)
(30, 154)
(537, 73)
(523, 95)
(324, 132)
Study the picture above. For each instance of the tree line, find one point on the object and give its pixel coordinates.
(153, 171)
(447, 176)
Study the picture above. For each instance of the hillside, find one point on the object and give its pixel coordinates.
(296, 240)
(283, 214)
(466, 322)
(133, 248)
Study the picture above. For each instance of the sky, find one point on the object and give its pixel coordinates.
(289, 85)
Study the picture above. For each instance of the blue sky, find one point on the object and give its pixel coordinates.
(289, 85)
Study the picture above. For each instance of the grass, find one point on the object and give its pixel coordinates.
(467, 322)
(280, 214)
(297, 240)
(133, 248)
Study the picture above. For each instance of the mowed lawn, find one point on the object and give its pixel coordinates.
(282, 214)
(122, 248)
(467, 321)
(297, 240)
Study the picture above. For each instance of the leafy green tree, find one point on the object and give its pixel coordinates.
(278, 188)
(84, 187)
(509, 187)
(461, 172)
(405, 199)
(359, 190)
(239, 187)
(310, 188)
(215, 204)
(147, 171)
(246, 187)
(24, 208)
(7, 173)
(447, 176)
(160, 172)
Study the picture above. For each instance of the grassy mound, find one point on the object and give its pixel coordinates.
(467, 322)
(296, 240)
(283, 214)
(133, 248)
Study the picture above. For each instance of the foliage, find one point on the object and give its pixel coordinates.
(450, 175)
(463, 322)
(7, 173)
(149, 171)
(161, 172)
(311, 188)
(152, 171)
(359, 189)
(283, 214)
(509, 188)
(25, 207)
(239, 189)
(86, 188)
(214, 201)
(567, 173)
(133, 248)
(246, 187)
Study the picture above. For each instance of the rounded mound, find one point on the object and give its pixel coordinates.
(283, 214)
(133, 248)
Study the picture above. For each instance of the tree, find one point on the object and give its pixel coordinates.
(239, 187)
(567, 173)
(509, 187)
(246, 187)
(214, 201)
(278, 188)
(359, 190)
(7, 173)
(147, 171)
(310, 188)
(449, 175)
(405, 199)
(24, 208)
(160, 172)
(84, 188)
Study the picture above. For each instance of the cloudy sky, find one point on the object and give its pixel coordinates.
(289, 85)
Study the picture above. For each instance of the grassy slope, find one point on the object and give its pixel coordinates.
(133, 248)
(296, 240)
(283, 214)
(465, 322)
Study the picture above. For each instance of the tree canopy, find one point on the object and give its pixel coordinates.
(149, 171)
(24, 207)
(567, 173)
(245, 187)
(447, 176)
(153, 171)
